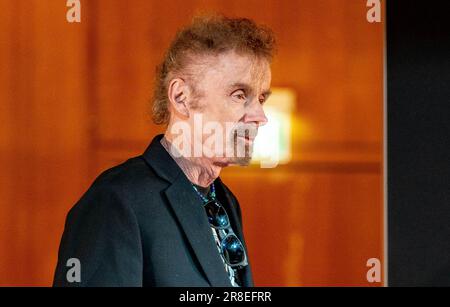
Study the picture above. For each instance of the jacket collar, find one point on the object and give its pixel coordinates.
(161, 161)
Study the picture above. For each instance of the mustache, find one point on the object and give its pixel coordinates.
(245, 130)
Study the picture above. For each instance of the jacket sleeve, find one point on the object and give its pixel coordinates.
(102, 235)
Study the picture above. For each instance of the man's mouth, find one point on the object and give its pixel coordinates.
(247, 138)
(247, 135)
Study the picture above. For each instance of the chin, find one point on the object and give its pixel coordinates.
(243, 157)
(241, 161)
(244, 161)
(222, 163)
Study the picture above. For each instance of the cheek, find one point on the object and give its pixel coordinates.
(224, 110)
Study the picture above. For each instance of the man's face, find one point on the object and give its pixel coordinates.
(232, 89)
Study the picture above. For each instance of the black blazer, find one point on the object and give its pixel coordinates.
(142, 224)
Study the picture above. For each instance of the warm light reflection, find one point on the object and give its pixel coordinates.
(274, 139)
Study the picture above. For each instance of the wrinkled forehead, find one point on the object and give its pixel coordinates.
(226, 69)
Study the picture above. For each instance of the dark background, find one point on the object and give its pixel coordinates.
(418, 72)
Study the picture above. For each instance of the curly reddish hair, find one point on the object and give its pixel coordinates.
(207, 35)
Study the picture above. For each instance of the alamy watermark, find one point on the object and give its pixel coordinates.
(74, 272)
(229, 142)
(374, 273)
(374, 12)
(74, 12)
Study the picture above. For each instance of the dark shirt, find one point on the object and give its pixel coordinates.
(203, 190)
(234, 275)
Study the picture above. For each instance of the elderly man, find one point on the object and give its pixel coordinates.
(165, 218)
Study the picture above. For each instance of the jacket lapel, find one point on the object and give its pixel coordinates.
(189, 212)
(192, 217)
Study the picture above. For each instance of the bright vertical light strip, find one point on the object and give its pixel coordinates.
(273, 142)
(267, 144)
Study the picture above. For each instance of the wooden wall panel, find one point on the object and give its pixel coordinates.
(309, 228)
(74, 101)
(44, 140)
(332, 57)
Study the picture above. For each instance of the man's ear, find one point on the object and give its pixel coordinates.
(178, 92)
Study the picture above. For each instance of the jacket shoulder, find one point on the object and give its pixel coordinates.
(102, 231)
(130, 183)
(125, 174)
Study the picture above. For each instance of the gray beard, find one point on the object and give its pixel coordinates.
(242, 151)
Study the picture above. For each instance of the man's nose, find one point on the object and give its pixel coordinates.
(256, 115)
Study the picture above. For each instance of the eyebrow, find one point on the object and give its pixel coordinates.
(267, 93)
(248, 88)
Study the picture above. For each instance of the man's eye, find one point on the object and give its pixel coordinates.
(240, 96)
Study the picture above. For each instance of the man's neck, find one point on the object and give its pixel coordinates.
(199, 171)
